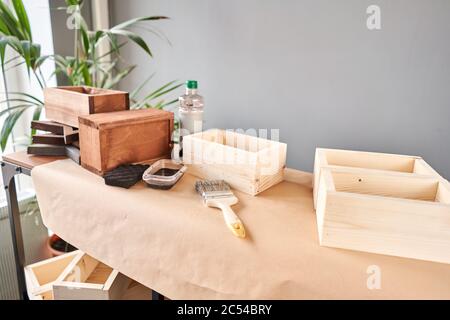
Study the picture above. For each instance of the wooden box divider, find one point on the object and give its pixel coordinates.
(356, 161)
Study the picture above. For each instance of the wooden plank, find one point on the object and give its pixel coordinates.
(73, 153)
(49, 138)
(46, 150)
(387, 185)
(28, 161)
(116, 285)
(51, 126)
(71, 137)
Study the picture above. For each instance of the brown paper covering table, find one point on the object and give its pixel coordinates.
(169, 241)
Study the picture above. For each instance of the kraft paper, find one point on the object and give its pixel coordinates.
(168, 241)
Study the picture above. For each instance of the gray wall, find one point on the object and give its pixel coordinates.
(310, 68)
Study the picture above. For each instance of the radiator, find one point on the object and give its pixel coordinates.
(34, 236)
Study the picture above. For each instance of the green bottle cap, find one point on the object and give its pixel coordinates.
(191, 84)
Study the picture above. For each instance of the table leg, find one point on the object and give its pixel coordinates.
(9, 171)
(157, 296)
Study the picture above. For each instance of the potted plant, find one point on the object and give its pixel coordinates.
(85, 67)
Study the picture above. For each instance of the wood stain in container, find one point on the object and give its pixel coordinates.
(163, 174)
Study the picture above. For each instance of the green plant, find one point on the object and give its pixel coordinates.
(85, 67)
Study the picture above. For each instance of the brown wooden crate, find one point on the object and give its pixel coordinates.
(110, 139)
(66, 104)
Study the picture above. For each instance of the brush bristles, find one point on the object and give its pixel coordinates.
(213, 188)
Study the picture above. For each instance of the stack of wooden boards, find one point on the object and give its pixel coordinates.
(78, 276)
(382, 203)
(109, 133)
(60, 140)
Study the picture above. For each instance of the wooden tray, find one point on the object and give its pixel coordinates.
(384, 212)
(85, 278)
(41, 275)
(247, 163)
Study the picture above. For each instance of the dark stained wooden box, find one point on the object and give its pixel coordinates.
(66, 104)
(108, 140)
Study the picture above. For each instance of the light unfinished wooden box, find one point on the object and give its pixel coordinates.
(86, 278)
(247, 163)
(79, 276)
(41, 275)
(379, 203)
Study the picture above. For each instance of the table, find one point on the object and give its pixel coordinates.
(22, 163)
(12, 165)
(167, 240)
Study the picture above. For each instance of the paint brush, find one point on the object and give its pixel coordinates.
(218, 194)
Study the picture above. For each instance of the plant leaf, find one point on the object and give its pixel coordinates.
(26, 47)
(141, 86)
(133, 37)
(118, 77)
(3, 44)
(136, 20)
(160, 91)
(21, 14)
(36, 116)
(6, 111)
(39, 101)
(11, 23)
(8, 126)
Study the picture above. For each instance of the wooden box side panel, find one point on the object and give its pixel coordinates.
(67, 101)
(423, 168)
(271, 160)
(443, 192)
(116, 285)
(370, 160)
(405, 228)
(236, 178)
(267, 181)
(65, 106)
(90, 147)
(324, 186)
(385, 184)
(110, 102)
(135, 143)
(77, 291)
(320, 161)
(201, 151)
(64, 116)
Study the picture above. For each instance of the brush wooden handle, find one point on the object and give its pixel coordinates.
(232, 221)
